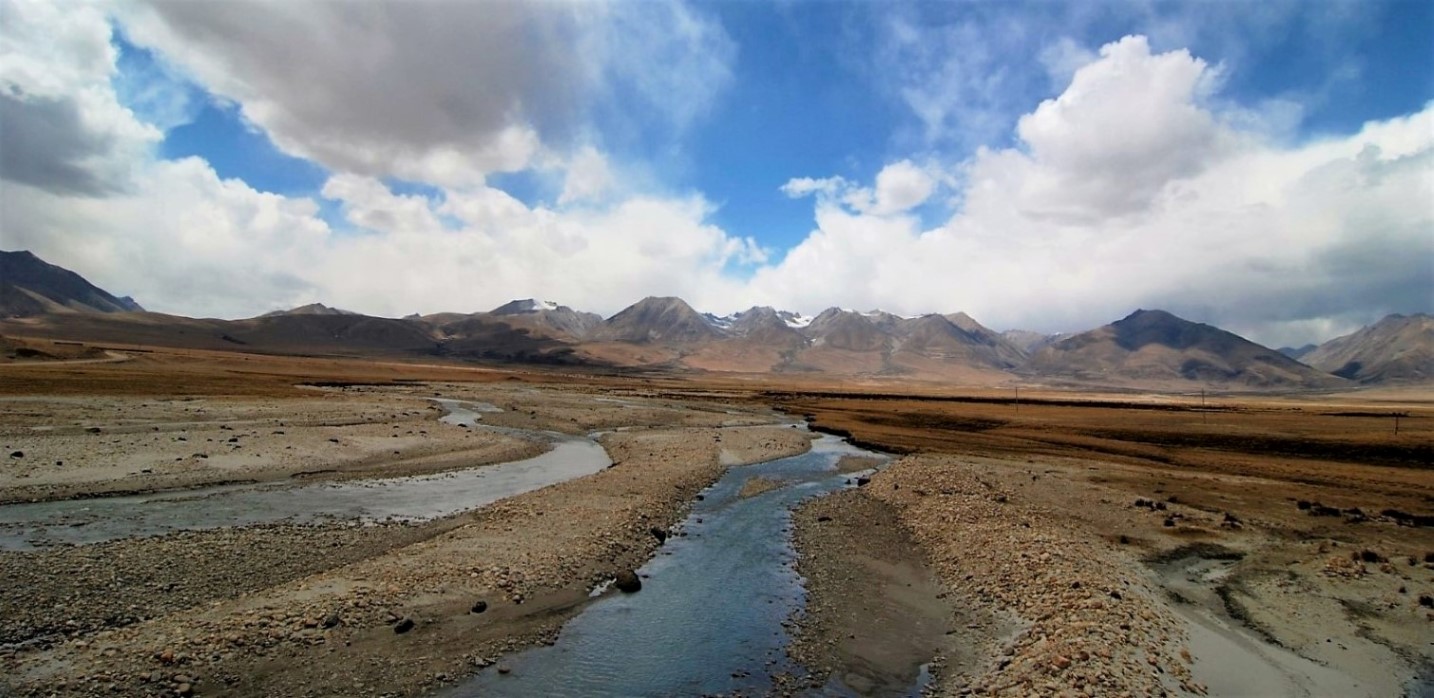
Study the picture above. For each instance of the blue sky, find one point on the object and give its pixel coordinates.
(913, 156)
(801, 105)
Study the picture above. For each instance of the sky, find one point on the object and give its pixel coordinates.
(1266, 167)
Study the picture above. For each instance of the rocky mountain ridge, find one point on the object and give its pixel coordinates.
(1147, 348)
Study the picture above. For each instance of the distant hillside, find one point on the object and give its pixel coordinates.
(29, 286)
(1297, 353)
(1031, 342)
(1397, 349)
(310, 309)
(1153, 347)
(546, 317)
(756, 340)
(1150, 349)
(657, 320)
(1006, 352)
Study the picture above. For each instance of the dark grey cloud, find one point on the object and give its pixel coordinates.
(373, 87)
(44, 143)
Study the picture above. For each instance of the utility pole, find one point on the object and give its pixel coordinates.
(1396, 424)
(1018, 400)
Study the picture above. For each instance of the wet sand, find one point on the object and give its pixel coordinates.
(877, 621)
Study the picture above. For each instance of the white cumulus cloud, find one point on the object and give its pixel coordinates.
(1129, 190)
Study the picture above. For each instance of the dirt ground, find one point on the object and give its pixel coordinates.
(1269, 548)
(1070, 544)
(312, 610)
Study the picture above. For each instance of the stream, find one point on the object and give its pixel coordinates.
(412, 498)
(709, 618)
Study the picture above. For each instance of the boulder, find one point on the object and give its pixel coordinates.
(627, 582)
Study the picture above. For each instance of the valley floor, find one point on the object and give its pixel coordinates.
(1071, 545)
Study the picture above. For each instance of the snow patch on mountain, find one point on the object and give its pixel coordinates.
(795, 321)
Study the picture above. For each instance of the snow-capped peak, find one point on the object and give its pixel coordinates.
(524, 305)
(723, 322)
(795, 321)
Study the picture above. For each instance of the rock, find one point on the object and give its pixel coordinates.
(402, 626)
(332, 620)
(185, 690)
(17, 454)
(479, 607)
(862, 481)
(823, 518)
(504, 669)
(93, 430)
(627, 582)
(659, 533)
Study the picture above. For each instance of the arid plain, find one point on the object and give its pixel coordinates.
(1051, 542)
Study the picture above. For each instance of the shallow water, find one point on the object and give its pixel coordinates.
(414, 498)
(709, 617)
(464, 412)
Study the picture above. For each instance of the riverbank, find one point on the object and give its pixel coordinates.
(1104, 595)
(399, 621)
(73, 446)
(877, 621)
(82, 447)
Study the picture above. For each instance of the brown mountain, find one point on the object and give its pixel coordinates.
(1146, 349)
(1397, 349)
(522, 331)
(347, 333)
(310, 309)
(1153, 347)
(29, 286)
(1006, 352)
(932, 347)
(1031, 342)
(756, 340)
(546, 317)
(847, 330)
(655, 320)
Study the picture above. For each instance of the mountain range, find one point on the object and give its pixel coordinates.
(1149, 348)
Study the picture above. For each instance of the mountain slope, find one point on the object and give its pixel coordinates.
(546, 317)
(29, 286)
(1004, 351)
(1155, 347)
(758, 340)
(1397, 349)
(655, 320)
(847, 330)
(310, 309)
(1030, 342)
